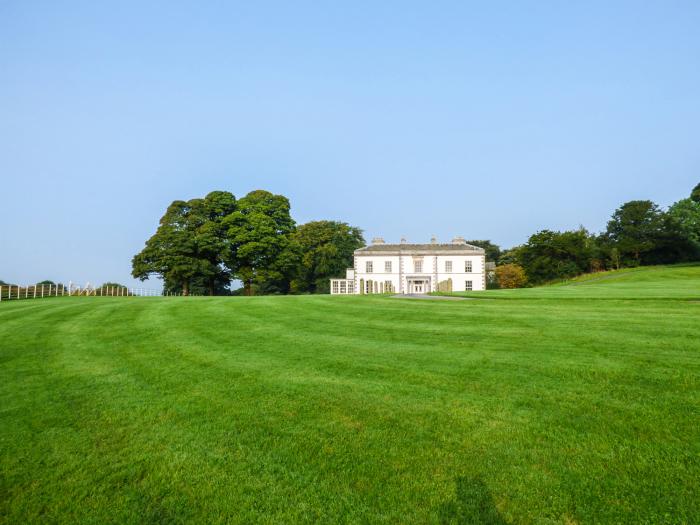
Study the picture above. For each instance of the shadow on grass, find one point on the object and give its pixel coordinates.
(472, 504)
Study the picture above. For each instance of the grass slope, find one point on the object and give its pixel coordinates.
(567, 404)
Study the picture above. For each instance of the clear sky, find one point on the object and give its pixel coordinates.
(486, 119)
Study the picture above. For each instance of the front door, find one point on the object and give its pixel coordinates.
(418, 287)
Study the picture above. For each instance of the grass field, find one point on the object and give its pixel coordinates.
(576, 403)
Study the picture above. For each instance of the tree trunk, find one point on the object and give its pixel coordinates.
(211, 287)
(185, 288)
(248, 287)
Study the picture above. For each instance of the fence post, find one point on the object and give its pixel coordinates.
(42, 290)
(0, 292)
(50, 290)
(26, 292)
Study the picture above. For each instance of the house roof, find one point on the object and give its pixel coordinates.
(430, 248)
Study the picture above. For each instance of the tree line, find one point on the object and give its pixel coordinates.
(201, 245)
(638, 233)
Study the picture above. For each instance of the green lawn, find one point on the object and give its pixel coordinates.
(564, 404)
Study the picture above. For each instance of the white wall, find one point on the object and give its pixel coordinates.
(458, 274)
(378, 274)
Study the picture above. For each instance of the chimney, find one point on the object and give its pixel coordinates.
(459, 240)
(378, 240)
(433, 240)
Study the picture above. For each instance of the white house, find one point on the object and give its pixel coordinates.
(414, 268)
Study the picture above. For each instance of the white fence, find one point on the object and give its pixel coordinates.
(39, 291)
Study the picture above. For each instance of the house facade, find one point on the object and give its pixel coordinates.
(414, 268)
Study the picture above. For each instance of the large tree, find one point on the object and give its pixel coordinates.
(258, 237)
(188, 244)
(325, 250)
(636, 229)
(549, 255)
(686, 213)
(208, 216)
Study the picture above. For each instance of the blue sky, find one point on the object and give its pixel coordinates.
(490, 120)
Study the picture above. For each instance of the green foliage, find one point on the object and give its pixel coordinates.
(189, 243)
(325, 250)
(210, 236)
(695, 194)
(634, 229)
(686, 213)
(202, 244)
(549, 255)
(638, 233)
(557, 404)
(493, 251)
(510, 256)
(644, 234)
(258, 236)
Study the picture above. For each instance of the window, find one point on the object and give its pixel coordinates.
(335, 286)
(368, 267)
(448, 266)
(468, 266)
(388, 286)
(417, 266)
(342, 286)
(468, 286)
(387, 266)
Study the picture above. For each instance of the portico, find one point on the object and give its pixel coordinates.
(418, 284)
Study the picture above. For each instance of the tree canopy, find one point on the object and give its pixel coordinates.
(200, 245)
(188, 243)
(325, 250)
(549, 255)
(686, 213)
(257, 233)
(634, 229)
(639, 232)
(695, 194)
